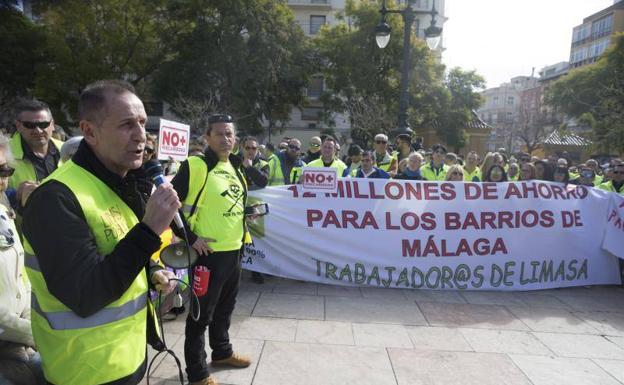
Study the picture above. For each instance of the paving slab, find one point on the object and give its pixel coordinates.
(526, 299)
(543, 370)
(614, 367)
(325, 332)
(438, 338)
(473, 316)
(240, 376)
(580, 345)
(383, 293)
(290, 306)
(394, 336)
(295, 287)
(310, 364)
(430, 367)
(373, 310)
(595, 299)
(504, 341)
(270, 329)
(339, 291)
(552, 320)
(606, 323)
(440, 296)
(245, 302)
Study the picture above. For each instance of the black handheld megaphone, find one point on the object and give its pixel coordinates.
(176, 256)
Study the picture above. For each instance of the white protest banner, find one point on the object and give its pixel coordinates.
(436, 235)
(319, 179)
(615, 228)
(173, 140)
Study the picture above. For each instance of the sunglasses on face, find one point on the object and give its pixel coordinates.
(439, 152)
(33, 125)
(220, 118)
(381, 142)
(315, 145)
(293, 147)
(6, 171)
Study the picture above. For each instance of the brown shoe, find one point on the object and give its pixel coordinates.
(206, 381)
(234, 360)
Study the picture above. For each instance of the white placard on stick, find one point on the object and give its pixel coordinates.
(173, 140)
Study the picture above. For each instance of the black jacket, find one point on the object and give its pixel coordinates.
(180, 183)
(75, 272)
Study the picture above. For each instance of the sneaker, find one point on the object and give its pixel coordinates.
(206, 381)
(234, 360)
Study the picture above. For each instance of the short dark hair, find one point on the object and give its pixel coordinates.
(329, 138)
(369, 153)
(31, 105)
(438, 146)
(94, 98)
(218, 118)
(270, 147)
(248, 138)
(354, 150)
(406, 138)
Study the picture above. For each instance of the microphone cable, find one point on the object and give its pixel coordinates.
(195, 314)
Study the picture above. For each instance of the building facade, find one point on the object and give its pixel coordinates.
(593, 37)
(502, 108)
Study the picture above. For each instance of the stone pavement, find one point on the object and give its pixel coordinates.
(309, 334)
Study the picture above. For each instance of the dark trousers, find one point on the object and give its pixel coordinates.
(216, 307)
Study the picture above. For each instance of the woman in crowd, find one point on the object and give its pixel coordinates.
(455, 173)
(514, 172)
(412, 168)
(496, 173)
(543, 171)
(19, 363)
(561, 175)
(527, 171)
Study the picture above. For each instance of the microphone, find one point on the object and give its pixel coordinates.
(154, 170)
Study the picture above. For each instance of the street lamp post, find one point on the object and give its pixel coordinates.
(382, 36)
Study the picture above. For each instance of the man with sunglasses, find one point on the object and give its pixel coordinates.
(36, 152)
(436, 169)
(314, 150)
(285, 166)
(617, 183)
(328, 157)
(383, 159)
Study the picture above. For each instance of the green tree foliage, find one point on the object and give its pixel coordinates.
(89, 40)
(457, 108)
(21, 44)
(248, 54)
(595, 95)
(359, 75)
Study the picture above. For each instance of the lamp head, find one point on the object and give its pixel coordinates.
(382, 34)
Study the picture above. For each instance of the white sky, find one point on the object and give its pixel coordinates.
(506, 38)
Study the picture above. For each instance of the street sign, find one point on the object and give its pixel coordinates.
(173, 140)
(321, 179)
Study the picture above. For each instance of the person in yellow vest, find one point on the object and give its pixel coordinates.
(436, 169)
(89, 232)
(36, 153)
(328, 157)
(354, 161)
(383, 159)
(472, 172)
(257, 174)
(214, 193)
(285, 166)
(617, 183)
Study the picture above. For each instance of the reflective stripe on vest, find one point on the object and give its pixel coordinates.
(111, 343)
(67, 320)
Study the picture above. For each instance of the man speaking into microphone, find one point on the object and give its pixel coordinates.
(90, 230)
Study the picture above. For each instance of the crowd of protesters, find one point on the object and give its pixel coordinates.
(37, 147)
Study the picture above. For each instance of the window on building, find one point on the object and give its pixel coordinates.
(494, 118)
(315, 88)
(510, 100)
(495, 100)
(316, 22)
(509, 116)
(602, 27)
(311, 113)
